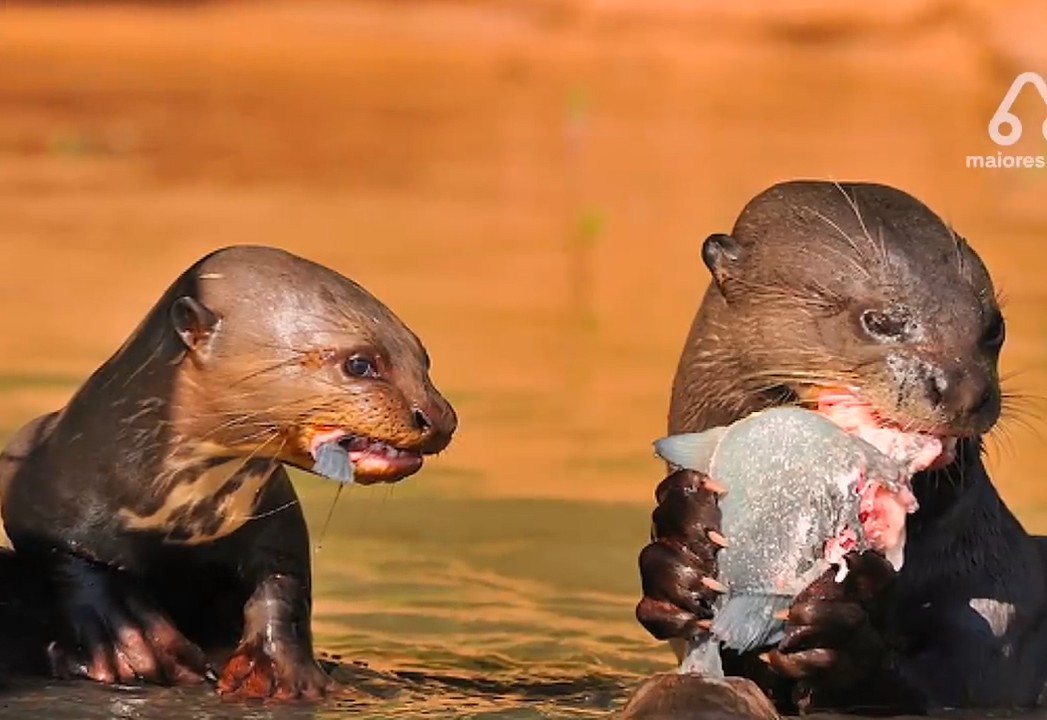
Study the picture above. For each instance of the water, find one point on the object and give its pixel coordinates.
(527, 187)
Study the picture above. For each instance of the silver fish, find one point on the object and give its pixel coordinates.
(332, 461)
(796, 483)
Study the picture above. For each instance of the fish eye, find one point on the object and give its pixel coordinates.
(360, 366)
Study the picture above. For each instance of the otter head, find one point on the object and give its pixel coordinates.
(277, 350)
(856, 286)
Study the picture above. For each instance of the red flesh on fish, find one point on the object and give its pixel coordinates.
(859, 418)
(882, 512)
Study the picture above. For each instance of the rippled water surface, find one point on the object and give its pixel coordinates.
(527, 185)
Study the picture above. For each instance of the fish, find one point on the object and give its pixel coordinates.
(331, 458)
(802, 493)
(332, 461)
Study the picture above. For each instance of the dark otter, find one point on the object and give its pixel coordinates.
(860, 285)
(156, 504)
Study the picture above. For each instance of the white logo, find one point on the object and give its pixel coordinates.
(1003, 116)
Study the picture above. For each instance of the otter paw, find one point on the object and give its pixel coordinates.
(257, 671)
(124, 640)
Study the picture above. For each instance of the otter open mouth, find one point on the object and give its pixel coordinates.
(847, 409)
(345, 457)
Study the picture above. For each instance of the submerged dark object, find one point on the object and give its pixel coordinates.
(670, 696)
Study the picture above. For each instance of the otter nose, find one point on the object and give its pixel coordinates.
(962, 394)
(421, 420)
(437, 421)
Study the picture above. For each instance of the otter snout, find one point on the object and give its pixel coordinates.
(436, 419)
(960, 394)
(964, 396)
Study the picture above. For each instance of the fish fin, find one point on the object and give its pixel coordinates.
(332, 461)
(693, 451)
(748, 622)
(702, 658)
(896, 554)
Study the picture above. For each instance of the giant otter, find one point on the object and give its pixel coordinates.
(155, 506)
(818, 285)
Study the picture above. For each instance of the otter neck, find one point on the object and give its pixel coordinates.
(711, 386)
(138, 410)
(938, 491)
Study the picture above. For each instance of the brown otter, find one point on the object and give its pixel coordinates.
(156, 503)
(860, 285)
(671, 696)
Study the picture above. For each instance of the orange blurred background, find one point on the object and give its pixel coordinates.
(527, 185)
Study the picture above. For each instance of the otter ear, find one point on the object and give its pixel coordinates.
(193, 322)
(721, 254)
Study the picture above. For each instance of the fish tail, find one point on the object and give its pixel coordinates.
(693, 451)
(702, 658)
(748, 622)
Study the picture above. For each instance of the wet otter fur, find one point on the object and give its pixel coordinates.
(152, 518)
(860, 285)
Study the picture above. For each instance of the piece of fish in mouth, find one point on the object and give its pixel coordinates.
(332, 461)
(793, 478)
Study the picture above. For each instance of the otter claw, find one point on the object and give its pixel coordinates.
(257, 672)
(706, 625)
(781, 615)
(717, 538)
(714, 584)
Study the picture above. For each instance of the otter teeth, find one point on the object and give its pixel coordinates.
(366, 446)
(389, 451)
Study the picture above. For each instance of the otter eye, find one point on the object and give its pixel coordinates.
(884, 326)
(360, 366)
(994, 332)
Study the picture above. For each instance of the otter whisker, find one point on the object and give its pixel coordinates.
(883, 245)
(801, 374)
(270, 368)
(258, 449)
(235, 422)
(853, 203)
(854, 262)
(272, 511)
(263, 432)
(782, 293)
(310, 400)
(1001, 297)
(1008, 419)
(330, 514)
(310, 405)
(1001, 439)
(1024, 403)
(272, 465)
(954, 474)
